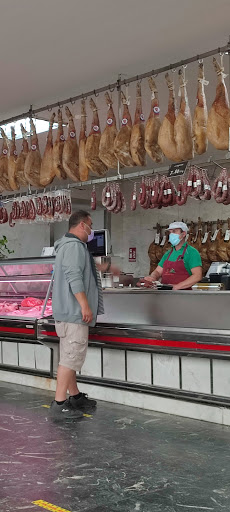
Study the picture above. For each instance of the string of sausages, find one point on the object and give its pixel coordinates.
(45, 207)
(113, 199)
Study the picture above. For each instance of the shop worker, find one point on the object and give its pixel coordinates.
(77, 300)
(181, 266)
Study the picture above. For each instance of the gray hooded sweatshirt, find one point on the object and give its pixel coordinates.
(73, 273)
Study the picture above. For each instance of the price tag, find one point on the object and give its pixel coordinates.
(205, 238)
(177, 169)
(215, 235)
(163, 240)
(227, 235)
(157, 238)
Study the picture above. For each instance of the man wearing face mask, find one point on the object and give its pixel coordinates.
(77, 300)
(181, 266)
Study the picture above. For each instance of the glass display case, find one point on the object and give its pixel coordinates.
(25, 294)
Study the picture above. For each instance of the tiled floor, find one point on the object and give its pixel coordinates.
(119, 459)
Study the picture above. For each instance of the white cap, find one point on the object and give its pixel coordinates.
(180, 225)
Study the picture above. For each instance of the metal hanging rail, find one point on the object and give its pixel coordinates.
(117, 85)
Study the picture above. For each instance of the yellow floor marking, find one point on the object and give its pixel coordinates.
(49, 506)
(47, 406)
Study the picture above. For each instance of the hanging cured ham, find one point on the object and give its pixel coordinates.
(70, 158)
(20, 162)
(166, 138)
(83, 169)
(58, 149)
(137, 140)
(219, 115)
(106, 148)
(200, 116)
(153, 125)
(47, 173)
(183, 123)
(12, 162)
(4, 178)
(33, 159)
(122, 140)
(93, 160)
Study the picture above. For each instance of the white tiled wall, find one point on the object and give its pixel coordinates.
(114, 364)
(9, 353)
(195, 374)
(166, 371)
(221, 377)
(138, 367)
(92, 364)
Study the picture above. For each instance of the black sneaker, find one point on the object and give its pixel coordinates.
(65, 410)
(83, 402)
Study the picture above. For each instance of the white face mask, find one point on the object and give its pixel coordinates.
(91, 235)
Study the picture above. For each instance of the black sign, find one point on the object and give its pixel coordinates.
(177, 169)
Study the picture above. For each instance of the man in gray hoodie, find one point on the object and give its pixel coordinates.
(77, 300)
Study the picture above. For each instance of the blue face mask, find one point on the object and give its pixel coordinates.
(174, 239)
(91, 236)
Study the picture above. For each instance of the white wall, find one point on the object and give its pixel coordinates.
(26, 240)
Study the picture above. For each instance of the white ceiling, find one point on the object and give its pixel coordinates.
(53, 49)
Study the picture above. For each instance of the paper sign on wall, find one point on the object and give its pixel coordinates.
(132, 254)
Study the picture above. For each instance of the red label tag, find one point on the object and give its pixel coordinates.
(72, 134)
(124, 121)
(132, 254)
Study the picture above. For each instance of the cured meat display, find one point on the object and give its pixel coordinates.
(137, 140)
(4, 177)
(93, 199)
(20, 162)
(93, 160)
(83, 168)
(166, 138)
(48, 173)
(219, 114)
(46, 207)
(183, 123)
(58, 149)
(153, 125)
(33, 160)
(106, 148)
(200, 115)
(113, 199)
(122, 140)
(12, 162)
(70, 157)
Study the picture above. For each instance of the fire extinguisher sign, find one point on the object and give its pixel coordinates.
(132, 254)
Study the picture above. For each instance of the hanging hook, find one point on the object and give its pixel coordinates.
(60, 106)
(72, 101)
(173, 70)
(111, 89)
(200, 61)
(155, 76)
(48, 108)
(184, 66)
(96, 94)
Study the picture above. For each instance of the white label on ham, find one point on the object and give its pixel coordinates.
(215, 235)
(169, 191)
(107, 194)
(72, 135)
(153, 193)
(179, 193)
(95, 128)
(227, 235)
(109, 121)
(157, 238)
(165, 192)
(220, 184)
(195, 184)
(163, 240)
(156, 110)
(15, 152)
(124, 121)
(189, 183)
(225, 187)
(62, 137)
(134, 197)
(92, 199)
(33, 147)
(206, 187)
(205, 238)
(142, 117)
(198, 182)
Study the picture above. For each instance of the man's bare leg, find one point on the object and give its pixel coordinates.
(73, 388)
(65, 379)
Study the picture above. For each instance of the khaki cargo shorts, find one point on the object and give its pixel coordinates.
(73, 344)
